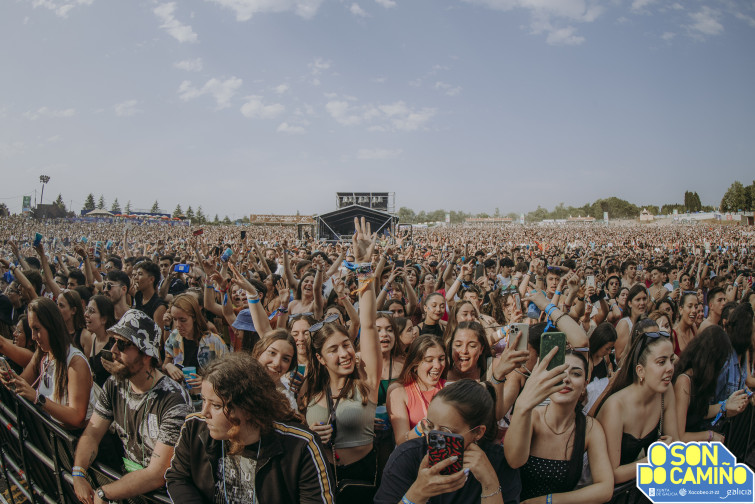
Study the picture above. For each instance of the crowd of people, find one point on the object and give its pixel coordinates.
(241, 364)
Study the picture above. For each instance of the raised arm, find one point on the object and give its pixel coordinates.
(575, 335)
(259, 316)
(47, 275)
(363, 243)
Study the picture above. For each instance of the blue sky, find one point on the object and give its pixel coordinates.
(271, 106)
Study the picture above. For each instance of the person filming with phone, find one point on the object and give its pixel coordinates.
(456, 460)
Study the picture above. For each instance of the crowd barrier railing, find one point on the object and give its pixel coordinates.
(36, 457)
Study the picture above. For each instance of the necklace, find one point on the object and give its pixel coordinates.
(545, 421)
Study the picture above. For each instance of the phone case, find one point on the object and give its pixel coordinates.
(525, 330)
(442, 445)
(548, 341)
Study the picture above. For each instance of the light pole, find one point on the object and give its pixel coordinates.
(43, 179)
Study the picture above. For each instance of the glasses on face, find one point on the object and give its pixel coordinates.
(428, 425)
(327, 320)
(122, 345)
(107, 286)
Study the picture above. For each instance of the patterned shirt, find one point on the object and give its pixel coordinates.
(210, 347)
(142, 420)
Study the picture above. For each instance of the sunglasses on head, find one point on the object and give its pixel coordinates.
(327, 320)
(300, 315)
(653, 335)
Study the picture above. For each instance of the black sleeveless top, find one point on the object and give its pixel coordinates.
(631, 446)
(541, 476)
(99, 373)
(436, 329)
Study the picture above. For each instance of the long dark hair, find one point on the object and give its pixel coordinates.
(476, 327)
(272, 337)
(475, 403)
(106, 309)
(638, 354)
(417, 351)
(574, 468)
(49, 316)
(635, 291)
(74, 303)
(705, 355)
(244, 385)
(739, 328)
(318, 378)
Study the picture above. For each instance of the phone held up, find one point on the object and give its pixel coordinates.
(547, 342)
(442, 445)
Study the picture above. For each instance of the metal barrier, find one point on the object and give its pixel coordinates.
(36, 456)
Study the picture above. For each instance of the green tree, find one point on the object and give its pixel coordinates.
(89, 203)
(101, 202)
(115, 207)
(4, 212)
(226, 220)
(735, 198)
(216, 220)
(60, 203)
(406, 215)
(155, 208)
(178, 212)
(190, 214)
(200, 215)
(128, 207)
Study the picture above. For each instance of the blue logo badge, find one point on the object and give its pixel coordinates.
(694, 472)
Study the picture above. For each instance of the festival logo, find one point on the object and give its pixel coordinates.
(694, 472)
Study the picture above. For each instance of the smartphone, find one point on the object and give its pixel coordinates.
(399, 264)
(524, 330)
(590, 281)
(533, 311)
(676, 284)
(226, 255)
(107, 355)
(442, 445)
(181, 268)
(37, 239)
(550, 340)
(109, 245)
(198, 232)
(84, 239)
(243, 234)
(479, 271)
(7, 373)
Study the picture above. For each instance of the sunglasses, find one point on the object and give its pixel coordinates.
(107, 286)
(327, 320)
(651, 336)
(300, 315)
(122, 345)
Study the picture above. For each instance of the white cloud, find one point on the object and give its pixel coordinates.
(45, 112)
(245, 9)
(292, 129)
(386, 3)
(60, 8)
(747, 19)
(638, 5)
(316, 68)
(706, 22)
(447, 89)
(395, 116)
(281, 88)
(10, 149)
(190, 65)
(127, 109)
(379, 154)
(356, 10)
(254, 108)
(564, 36)
(668, 35)
(221, 90)
(547, 16)
(176, 29)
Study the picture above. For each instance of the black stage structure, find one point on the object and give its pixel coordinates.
(338, 225)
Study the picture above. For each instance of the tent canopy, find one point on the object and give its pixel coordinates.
(333, 225)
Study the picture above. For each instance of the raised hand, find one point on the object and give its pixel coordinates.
(363, 241)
